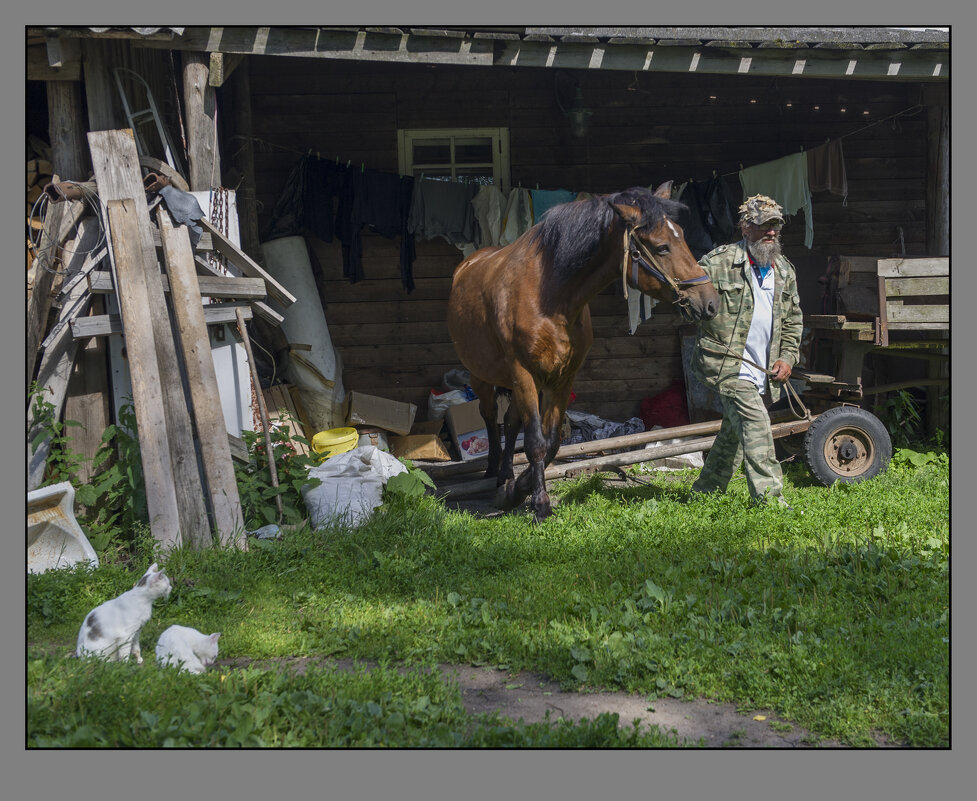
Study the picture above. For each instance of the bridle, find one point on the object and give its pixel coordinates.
(646, 260)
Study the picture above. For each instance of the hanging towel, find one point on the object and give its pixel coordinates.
(826, 169)
(443, 208)
(693, 224)
(785, 180)
(489, 205)
(518, 216)
(639, 309)
(545, 199)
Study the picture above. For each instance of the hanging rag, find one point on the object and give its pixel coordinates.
(826, 169)
(489, 206)
(545, 199)
(639, 309)
(518, 216)
(696, 234)
(785, 180)
(443, 208)
(307, 201)
(185, 210)
(722, 206)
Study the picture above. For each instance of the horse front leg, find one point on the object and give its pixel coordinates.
(487, 408)
(526, 400)
(552, 406)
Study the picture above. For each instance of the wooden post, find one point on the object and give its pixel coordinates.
(68, 154)
(100, 92)
(262, 410)
(127, 256)
(118, 177)
(243, 157)
(200, 100)
(215, 451)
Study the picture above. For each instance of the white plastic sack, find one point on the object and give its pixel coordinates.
(439, 403)
(352, 486)
(680, 462)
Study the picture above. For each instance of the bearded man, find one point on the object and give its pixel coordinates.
(755, 336)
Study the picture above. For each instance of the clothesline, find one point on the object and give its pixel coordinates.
(905, 111)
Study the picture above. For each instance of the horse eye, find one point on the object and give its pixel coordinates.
(662, 250)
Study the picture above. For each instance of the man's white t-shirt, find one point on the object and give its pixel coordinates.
(758, 337)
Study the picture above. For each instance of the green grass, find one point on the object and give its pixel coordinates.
(836, 619)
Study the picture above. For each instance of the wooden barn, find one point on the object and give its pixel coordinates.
(536, 110)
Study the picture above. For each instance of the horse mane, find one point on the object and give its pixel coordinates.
(569, 234)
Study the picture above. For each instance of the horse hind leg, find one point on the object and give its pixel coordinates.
(513, 425)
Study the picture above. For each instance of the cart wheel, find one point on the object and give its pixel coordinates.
(846, 444)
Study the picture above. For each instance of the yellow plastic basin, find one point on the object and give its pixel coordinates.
(334, 441)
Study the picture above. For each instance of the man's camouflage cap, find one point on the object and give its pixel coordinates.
(760, 209)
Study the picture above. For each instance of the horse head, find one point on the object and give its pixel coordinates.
(657, 261)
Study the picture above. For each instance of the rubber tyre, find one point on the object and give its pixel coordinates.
(846, 444)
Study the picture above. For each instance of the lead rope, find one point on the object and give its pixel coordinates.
(792, 394)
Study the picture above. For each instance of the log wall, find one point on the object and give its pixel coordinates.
(646, 129)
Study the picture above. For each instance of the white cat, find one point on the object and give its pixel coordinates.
(187, 648)
(111, 630)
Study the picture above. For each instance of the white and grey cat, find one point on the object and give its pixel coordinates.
(187, 648)
(111, 630)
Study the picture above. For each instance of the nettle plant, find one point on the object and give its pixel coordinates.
(254, 479)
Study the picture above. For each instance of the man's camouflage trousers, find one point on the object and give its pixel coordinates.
(745, 438)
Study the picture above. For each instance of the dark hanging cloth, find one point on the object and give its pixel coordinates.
(693, 223)
(381, 201)
(306, 204)
(721, 202)
(185, 210)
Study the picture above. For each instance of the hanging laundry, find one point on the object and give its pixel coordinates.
(380, 200)
(518, 216)
(826, 169)
(306, 204)
(639, 309)
(722, 203)
(489, 206)
(545, 199)
(692, 221)
(785, 180)
(185, 210)
(443, 208)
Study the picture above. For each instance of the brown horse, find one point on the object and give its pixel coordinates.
(520, 320)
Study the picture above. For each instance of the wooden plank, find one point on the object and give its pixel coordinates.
(204, 244)
(126, 255)
(119, 177)
(103, 325)
(266, 313)
(210, 286)
(215, 453)
(898, 312)
(39, 69)
(903, 268)
(904, 287)
(58, 359)
(246, 264)
(919, 326)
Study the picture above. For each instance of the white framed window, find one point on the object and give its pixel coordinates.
(480, 155)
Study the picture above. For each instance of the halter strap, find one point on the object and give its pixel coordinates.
(647, 261)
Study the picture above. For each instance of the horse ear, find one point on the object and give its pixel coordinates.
(664, 191)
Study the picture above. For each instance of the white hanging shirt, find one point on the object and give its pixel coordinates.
(758, 337)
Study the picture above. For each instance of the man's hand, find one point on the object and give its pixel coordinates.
(781, 370)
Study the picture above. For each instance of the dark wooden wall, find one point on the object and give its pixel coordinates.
(646, 129)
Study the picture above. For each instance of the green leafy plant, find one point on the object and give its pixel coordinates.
(900, 413)
(61, 463)
(254, 479)
(115, 497)
(412, 484)
(909, 458)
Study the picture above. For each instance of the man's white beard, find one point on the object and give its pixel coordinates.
(765, 253)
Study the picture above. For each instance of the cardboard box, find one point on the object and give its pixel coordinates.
(369, 410)
(423, 447)
(468, 430)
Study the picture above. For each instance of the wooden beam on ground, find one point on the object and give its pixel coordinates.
(103, 325)
(246, 264)
(215, 452)
(127, 257)
(118, 177)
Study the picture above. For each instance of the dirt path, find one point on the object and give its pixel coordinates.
(530, 696)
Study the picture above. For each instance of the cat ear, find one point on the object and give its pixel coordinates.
(153, 568)
(214, 637)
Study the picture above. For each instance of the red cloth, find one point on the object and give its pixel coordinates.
(667, 409)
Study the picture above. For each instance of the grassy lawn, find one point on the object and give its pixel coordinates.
(836, 617)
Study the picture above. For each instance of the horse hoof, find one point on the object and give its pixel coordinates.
(542, 509)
